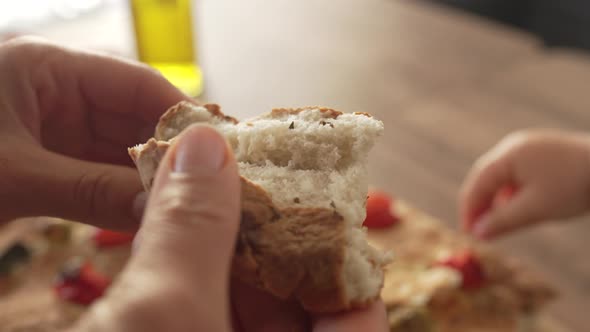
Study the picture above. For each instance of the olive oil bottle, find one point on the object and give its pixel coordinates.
(164, 37)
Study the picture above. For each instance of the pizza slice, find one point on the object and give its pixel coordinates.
(443, 281)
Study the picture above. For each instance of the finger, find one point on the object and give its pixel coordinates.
(44, 183)
(373, 318)
(132, 88)
(487, 176)
(258, 311)
(103, 82)
(522, 209)
(191, 221)
(97, 97)
(123, 110)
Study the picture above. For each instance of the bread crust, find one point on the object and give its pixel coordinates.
(272, 242)
(181, 108)
(294, 252)
(325, 111)
(147, 158)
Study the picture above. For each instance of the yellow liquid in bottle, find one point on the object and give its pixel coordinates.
(164, 36)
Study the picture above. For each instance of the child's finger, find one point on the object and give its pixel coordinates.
(523, 209)
(489, 174)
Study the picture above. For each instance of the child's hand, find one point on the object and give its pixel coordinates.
(545, 173)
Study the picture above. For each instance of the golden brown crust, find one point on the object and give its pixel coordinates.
(272, 242)
(167, 126)
(215, 110)
(363, 113)
(147, 158)
(184, 110)
(326, 112)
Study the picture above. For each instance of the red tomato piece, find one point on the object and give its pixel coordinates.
(81, 284)
(104, 238)
(466, 263)
(379, 211)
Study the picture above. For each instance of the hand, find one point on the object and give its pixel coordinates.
(179, 277)
(549, 170)
(66, 120)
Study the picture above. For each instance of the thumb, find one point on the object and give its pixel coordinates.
(522, 209)
(192, 219)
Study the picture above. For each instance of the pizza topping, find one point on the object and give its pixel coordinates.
(412, 319)
(105, 239)
(57, 233)
(379, 211)
(468, 265)
(80, 283)
(14, 256)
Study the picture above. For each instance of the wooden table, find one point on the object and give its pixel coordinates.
(446, 85)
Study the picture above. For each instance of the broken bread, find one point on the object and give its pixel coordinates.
(304, 188)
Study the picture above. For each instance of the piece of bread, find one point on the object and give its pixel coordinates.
(304, 188)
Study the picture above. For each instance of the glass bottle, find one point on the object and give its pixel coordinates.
(164, 38)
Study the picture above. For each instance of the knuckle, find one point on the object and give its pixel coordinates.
(490, 162)
(25, 40)
(480, 163)
(158, 308)
(526, 144)
(151, 70)
(494, 166)
(21, 48)
(90, 191)
(31, 55)
(522, 138)
(184, 206)
(519, 135)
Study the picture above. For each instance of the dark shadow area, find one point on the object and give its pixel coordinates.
(556, 22)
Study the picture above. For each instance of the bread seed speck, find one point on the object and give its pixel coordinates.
(292, 125)
(296, 200)
(323, 123)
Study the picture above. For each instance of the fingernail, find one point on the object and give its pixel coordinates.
(201, 150)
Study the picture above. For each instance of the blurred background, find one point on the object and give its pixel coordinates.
(449, 78)
(557, 23)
